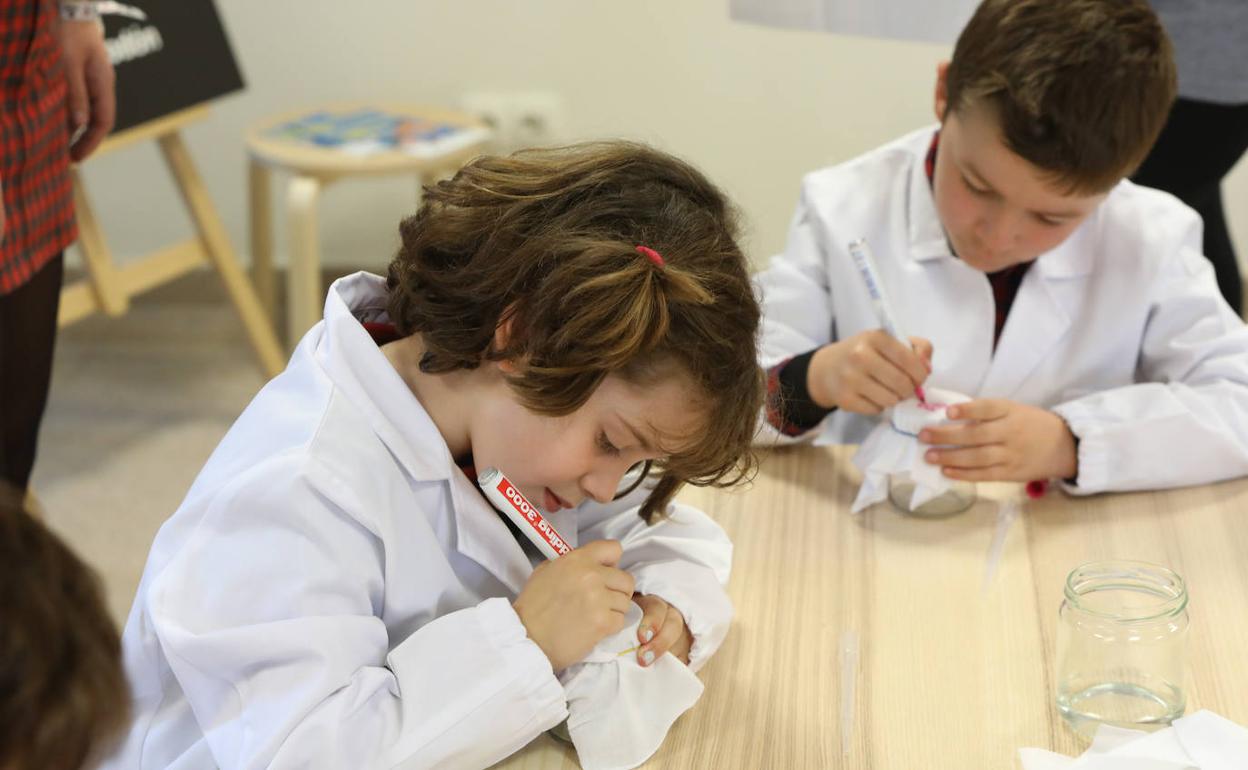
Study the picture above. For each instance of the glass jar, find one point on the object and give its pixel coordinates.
(1121, 640)
(960, 496)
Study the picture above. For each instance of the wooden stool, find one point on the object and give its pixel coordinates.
(312, 167)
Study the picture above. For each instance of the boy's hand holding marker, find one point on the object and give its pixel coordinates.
(868, 372)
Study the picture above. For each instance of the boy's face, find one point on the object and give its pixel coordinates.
(559, 462)
(998, 210)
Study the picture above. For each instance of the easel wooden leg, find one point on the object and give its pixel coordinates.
(110, 295)
(304, 297)
(215, 241)
(260, 225)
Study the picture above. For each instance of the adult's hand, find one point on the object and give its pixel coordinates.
(89, 72)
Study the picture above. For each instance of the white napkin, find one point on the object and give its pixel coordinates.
(618, 711)
(1203, 741)
(893, 447)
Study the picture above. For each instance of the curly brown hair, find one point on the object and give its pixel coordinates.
(63, 694)
(1081, 88)
(546, 239)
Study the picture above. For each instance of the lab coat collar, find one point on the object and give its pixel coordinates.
(927, 234)
(358, 368)
(356, 365)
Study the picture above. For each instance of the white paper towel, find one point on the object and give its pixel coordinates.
(619, 712)
(893, 447)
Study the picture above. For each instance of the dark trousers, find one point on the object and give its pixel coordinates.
(27, 338)
(1200, 143)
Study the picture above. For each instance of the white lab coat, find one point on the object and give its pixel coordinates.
(334, 592)
(1120, 329)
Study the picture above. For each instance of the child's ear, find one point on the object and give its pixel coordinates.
(502, 338)
(942, 92)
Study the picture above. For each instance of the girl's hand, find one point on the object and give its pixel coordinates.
(573, 602)
(662, 629)
(1002, 441)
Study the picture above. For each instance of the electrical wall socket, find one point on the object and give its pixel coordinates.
(519, 118)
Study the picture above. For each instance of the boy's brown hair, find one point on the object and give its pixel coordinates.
(1080, 88)
(547, 239)
(63, 694)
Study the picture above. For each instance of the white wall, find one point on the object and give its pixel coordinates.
(753, 107)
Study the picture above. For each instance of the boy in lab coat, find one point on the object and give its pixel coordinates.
(336, 592)
(1074, 306)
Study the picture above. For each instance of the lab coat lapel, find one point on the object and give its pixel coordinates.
(481, 535)
(351, 359)
(1039, 319)
(924, 231)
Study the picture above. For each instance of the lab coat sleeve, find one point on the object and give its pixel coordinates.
(1185, 421)
(269, 619)
(683, 559)
(796, 299)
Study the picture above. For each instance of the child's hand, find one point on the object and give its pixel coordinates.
(573, 602)
(662, 629)
(868, 372)
(1003, 441)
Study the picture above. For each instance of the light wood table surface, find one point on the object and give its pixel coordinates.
(951, 675)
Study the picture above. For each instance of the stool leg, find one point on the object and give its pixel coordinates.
(260, 226)
(216, 243)
(303, 273)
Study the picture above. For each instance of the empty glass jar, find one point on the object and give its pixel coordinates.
(1121, 642)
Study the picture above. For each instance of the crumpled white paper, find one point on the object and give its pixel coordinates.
(619, 712)
(893, 447)
(1203, 741)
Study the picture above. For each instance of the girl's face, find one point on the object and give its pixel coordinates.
(558, 462)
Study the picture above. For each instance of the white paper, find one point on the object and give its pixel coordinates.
(937, 21)
(619, 711)
(1201, 741)
(893, 448)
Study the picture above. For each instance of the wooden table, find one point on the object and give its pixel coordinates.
(312, 168)
(951, 675)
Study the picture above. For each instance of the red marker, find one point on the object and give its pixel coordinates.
(507, 498)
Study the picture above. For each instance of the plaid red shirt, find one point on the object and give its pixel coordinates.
(34, 135)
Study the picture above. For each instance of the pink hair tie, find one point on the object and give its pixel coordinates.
(651, 255)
